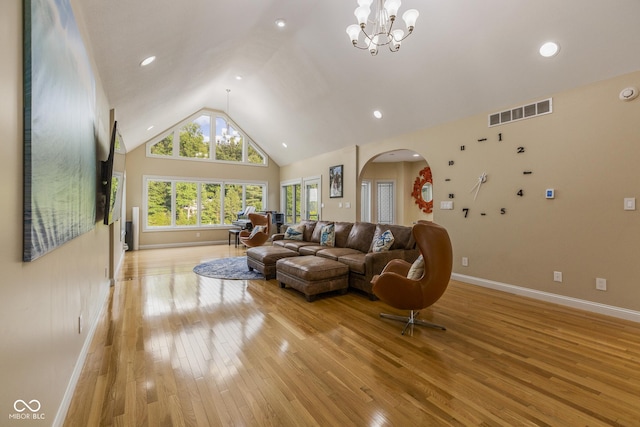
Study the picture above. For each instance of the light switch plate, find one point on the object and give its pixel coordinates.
(630, 204)
(446, 205)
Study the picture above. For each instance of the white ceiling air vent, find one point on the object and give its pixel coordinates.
(520, 113)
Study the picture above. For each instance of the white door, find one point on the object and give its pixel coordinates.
(365, 201)
(385, 202)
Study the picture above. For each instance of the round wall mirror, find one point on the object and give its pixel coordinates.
(423, 190)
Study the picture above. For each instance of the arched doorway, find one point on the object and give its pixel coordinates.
(386, 185)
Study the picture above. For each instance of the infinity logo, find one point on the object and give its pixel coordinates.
(24, 405)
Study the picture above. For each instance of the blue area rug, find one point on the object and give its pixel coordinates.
(227, 268)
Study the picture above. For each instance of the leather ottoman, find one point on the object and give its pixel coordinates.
(263, 259)
(312, 275)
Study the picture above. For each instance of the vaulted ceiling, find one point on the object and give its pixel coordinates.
(306, 86)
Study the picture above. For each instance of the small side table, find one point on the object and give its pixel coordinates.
(236, 233)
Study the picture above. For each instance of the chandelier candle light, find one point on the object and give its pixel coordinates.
(381, 31)
(228, 134)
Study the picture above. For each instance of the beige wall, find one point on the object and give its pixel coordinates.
(404, 175)
(334, 209)
(139, 165)
(40, 301)
(588, 150)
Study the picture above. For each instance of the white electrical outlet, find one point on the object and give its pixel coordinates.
(465, 261)
(601, 284)
(557, 276)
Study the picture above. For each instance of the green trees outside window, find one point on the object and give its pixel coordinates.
(254, 156)
(211, 205)
(182, 203)
(164, 147)
(159, 203)
(232, 202)
(195, 139)
(292, 201)
(186, 203)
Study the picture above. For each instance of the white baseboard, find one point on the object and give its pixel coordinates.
(77, 370)
(184, 245)
(594, 307)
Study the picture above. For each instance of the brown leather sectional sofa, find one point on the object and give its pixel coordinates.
(353, 247)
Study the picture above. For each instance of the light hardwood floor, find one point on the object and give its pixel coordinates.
(175, 349)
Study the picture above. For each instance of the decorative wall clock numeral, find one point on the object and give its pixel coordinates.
(482, 139)
(527, 173)
(500, 137)
(520, 192)
(503, 211)
(520, 150)
(462, 147)
(451, 195)
(447, 179)
(483, 213)
(451, 162)
(466, 212)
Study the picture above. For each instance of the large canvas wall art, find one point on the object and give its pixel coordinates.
(59, 129)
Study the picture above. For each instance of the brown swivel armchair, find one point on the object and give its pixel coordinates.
(251, 239)
(394, 288)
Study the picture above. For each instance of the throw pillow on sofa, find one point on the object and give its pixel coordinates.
(328, 235)
(295, 232)
(383, 242)
(417, 269)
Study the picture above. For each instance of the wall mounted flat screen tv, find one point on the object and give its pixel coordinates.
(113, 177)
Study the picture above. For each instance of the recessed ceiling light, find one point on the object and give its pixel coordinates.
(416, 155)
(147, 61)
(238, 77)
(281, 23)
(549, 49)
(150, 127)
(284, 145)
(377, 114)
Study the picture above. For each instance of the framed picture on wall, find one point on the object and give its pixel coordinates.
(335, 181)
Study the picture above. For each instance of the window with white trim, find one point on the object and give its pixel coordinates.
(291, 201)
(208, 136)
(182, 203)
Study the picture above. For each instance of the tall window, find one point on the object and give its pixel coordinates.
(186, 204)
(208, 136)
(291, 203)
(183, 203)
(312, 198)
(210, 202)
(385, 202)
(195, 137)
(365, 201)
(229, 141)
